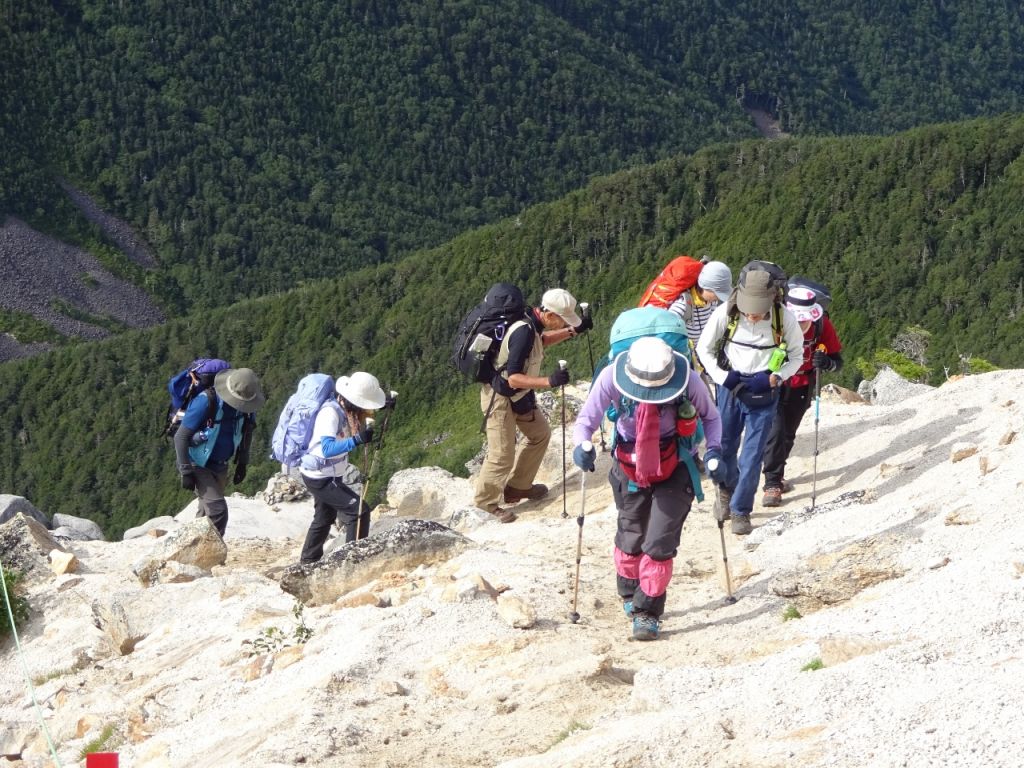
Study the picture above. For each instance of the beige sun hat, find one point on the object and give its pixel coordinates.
(362, 390)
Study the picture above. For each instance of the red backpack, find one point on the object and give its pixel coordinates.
(680, 275)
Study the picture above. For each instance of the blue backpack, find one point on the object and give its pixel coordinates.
(186, 385)
(646, 321)
(295, 425)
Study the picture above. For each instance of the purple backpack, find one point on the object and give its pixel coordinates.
(295, 425)
(186, 385)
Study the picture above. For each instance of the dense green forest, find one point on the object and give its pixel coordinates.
(922, 228)
(257, 145)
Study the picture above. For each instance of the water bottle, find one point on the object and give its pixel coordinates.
(778, 358)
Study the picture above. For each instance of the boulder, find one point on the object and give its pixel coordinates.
(196, 543)
(25, 546)
(428, 493)
(89, 530)
(407, 545)
(14, 505)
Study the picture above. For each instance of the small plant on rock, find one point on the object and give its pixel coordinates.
(791, 612)
(274, 639)
(12, 605)
(812, 666)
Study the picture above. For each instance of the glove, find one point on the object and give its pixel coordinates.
(585, 325)
(822, 361)
(731, 380)
(389, 401)
(718, 474)
(760, 382)
(559, 378)
(239, 474)
(365, 436)
(188, 481)
(584, 459)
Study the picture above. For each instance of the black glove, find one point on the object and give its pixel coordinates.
(585, 325)
(188, 481)
(239, 473)
(559, 378)
(714, 458)
(389, 401)
(822, 361)
(584, 459)
(364, 437)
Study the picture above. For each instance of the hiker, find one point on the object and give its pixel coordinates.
(743, 348)
(821, 354)
(509, 403)
(217, 425)
(691, 289)
(335, 483)
(655, 401)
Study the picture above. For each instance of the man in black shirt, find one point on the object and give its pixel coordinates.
(510, 404)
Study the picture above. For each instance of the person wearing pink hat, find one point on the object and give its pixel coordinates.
(821, 354)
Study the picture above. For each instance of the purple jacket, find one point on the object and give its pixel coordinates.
(603, 392)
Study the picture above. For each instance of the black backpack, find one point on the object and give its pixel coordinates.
(821, 294)
(776, 277)
(480, 333)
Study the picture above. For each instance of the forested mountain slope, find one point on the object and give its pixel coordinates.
(257, 144)
(922, 228)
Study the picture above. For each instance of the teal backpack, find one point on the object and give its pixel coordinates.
(646, 321)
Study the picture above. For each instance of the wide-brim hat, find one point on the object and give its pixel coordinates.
(239, 388)
(361, 389)
(755, 296)
(804, 304)
(650, 371)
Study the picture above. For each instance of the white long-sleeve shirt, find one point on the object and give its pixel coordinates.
(749, 359)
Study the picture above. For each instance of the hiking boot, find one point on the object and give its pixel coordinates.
(721, 509)
(534, 492)
(645, 627)
(503, 515)
(787, 486)
(627, 607)
(741, 525)
(772, 497)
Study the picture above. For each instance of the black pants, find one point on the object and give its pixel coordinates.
(333, 501)
(789, 412)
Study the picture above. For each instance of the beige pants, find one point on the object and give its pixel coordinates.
(502, 464)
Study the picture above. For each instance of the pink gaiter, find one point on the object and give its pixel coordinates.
(627, 566)
(654, 576)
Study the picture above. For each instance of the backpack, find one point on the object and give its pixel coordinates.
(646, 321)
(822, 295)
(295, 424)
(680, 275)
(776, 279)
(186, 385)
(481, 331)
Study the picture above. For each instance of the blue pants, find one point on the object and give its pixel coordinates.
(744, 468)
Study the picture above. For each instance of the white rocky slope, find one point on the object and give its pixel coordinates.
(908, 576)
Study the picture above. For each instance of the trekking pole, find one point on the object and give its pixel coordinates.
(380, 447)
(562, 364)
(585, 309)
(587, 446)
(367, 468)
(720, 518)
(817, 411)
